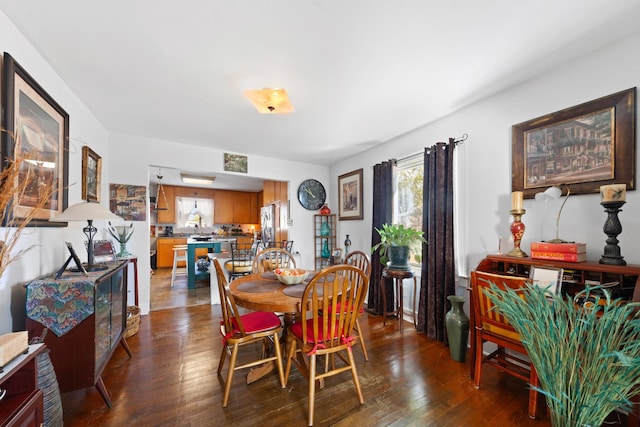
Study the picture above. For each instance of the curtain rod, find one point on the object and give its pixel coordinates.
(460, 140)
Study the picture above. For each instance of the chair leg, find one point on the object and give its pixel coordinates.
(276, 345)
(173, 272)
(354, 374)
(361, 339)
(312, 386)
(232, 367)
(291, 346)
(223, 356)
(478, 365)
(533, 394)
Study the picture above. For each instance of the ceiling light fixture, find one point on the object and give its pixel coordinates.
(269, 101)
(197, 179)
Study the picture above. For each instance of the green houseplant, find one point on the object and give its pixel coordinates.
(396, 243)
(587, 359)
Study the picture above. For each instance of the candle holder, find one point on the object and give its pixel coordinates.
(612, 228)
(517, 231)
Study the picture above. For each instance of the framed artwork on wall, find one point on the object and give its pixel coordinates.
(36, 129)
(128, 201)
(235, 163)
(350, 195)
(91, 173)
(584, 147)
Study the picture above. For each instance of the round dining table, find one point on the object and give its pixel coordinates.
(263, 292)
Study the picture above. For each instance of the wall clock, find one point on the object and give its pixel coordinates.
(311, 194)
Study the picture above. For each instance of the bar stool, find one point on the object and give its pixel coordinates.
(397, 276)
(179, 255)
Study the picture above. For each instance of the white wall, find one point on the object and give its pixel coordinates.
(485, 198)
(47, 250)
(133, 155)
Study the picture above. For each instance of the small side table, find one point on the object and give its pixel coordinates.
(398, 276)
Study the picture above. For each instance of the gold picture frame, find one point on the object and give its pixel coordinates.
(584, 147)
(91, 173)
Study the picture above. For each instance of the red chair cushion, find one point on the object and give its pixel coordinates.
(257, 321)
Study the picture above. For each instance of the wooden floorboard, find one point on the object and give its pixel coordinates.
(171, 380)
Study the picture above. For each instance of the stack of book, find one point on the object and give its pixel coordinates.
(569, 252)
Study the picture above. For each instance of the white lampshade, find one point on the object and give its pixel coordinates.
(84, 211)
(551, 193)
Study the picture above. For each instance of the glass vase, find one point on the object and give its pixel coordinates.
(326, 253)
(325, 228)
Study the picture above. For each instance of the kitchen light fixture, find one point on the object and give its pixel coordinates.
(269, 101)
(550, 194)
(197, 179)
(161, 190)
(88, 211)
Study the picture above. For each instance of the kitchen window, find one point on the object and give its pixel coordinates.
(194, 215)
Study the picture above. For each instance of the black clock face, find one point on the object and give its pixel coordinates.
(311, 194)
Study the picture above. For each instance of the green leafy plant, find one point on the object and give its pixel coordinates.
(397, 235)
(587, 359)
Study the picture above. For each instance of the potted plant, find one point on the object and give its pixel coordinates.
(587, 357)
(396, 243)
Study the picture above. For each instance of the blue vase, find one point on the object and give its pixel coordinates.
(326, 253)
(325, 229)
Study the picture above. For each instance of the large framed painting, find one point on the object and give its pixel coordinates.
(35, 129)
(91, 172)
(584, 147)
(350, 195)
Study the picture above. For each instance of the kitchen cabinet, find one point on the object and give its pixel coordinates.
(167, 216)
(23, 403)
(83, 331)
(164, 247)
(235, 207)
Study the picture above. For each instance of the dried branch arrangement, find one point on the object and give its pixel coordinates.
(10, 188)
(587, 359)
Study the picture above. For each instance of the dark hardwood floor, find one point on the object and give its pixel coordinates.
(409, 381)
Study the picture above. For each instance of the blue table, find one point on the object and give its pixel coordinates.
(192, 273)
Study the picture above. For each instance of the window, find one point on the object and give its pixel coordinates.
(407, 201)
(194, 215)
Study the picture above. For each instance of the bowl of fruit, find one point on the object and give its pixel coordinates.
(290, 276)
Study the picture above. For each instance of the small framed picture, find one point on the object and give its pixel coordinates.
(103, 251)
(549, 278)
(91, 172)
(350, 195)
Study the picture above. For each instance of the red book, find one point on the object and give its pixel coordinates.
(565, 248)
(559, 256)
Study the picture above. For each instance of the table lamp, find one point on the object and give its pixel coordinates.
(550, 194)
(88, 211)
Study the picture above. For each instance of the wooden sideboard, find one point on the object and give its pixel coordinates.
(22, 405)
(86, 317)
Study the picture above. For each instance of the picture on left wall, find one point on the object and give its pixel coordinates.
(35, 128)
(128, 201)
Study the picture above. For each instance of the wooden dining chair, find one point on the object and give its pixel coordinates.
(239, 330)
(492, 326)
(339, 290)
(271, 258)
(361, 260)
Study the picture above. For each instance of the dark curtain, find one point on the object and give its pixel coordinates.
(382, 213)
(438, 267)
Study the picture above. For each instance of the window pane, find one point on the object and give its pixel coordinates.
(408, 198)
(194, 213)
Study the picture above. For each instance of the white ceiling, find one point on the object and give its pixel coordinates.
(358, 72)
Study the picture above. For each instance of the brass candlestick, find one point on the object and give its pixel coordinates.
(612, 228)
(517, 231)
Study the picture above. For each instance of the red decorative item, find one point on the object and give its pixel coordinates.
(517, 231)
(325, 210)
